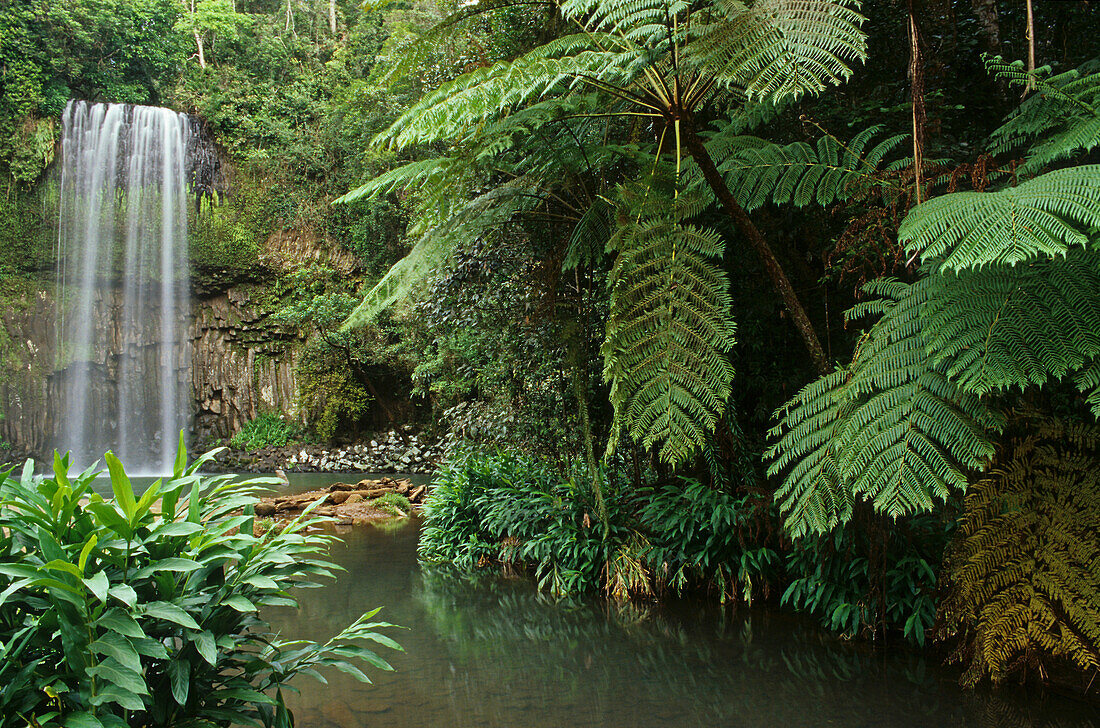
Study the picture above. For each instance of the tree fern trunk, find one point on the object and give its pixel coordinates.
(756, 239)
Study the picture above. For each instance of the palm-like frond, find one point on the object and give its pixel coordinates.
(778, 48)
(425, 173)
(759, 172)
(892, 429)
(1002, 327)
(1044, 216)
(668, 330)
(1058, 122)
(450, 111)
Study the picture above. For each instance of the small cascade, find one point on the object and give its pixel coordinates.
(123, 288)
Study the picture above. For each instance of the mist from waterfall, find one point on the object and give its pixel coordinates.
(123, 292)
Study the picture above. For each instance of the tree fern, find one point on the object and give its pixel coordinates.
(668, 329)
(1024, 582)
(1044, 216)
(1059, 122)
(891, 429)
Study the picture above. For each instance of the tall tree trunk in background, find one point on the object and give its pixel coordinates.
(1030, 47)
(198, 43)
(916, 88)
(986, 11)
(755, 239)
(332, 16)
(289, 17)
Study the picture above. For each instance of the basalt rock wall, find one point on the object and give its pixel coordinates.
(241, 364)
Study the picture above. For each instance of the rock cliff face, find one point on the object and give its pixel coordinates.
(241, 363)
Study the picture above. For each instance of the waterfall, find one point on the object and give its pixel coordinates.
(123, 284)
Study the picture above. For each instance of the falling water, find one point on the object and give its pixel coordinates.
(122, 283)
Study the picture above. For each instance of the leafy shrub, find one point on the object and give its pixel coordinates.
(1024, 587)
(865, 578)
(145, 611)
(699, 534)
(264, 431)
(503, 508)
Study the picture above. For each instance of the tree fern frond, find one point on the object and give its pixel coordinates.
(668, 332)
(1044, 216)
(1060, 121)
(450, 111)
(436, 244)
(413, 174)
(590, 236)
(1024, 573)
(779, 48)
(799, 174)
(892, 429)
(1003, 327)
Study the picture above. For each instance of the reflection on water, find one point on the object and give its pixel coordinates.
(492, 652)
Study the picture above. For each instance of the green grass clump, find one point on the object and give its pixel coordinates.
(264, 431)
(393, 503)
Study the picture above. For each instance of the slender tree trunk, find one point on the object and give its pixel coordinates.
(289, 16)
(198, 43)
(756, 239)
(332, 16)
(1030, 48)
(986, 10)
(916, 79)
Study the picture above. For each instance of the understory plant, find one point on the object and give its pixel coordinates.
(145, 611)
(505, 509)
(267, 430)
(1023, 578)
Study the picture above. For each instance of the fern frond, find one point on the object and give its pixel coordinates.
(668, 332)
(450, 111)
(1003, 327)
(437, 243)
(1059, 121)
(1024, 573)
(800, 174)
(414, 174)
(1044, 216)
(892, 429)
(778, 48)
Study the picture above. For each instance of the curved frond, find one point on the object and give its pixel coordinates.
(1059, 122)
(1002, 327)
(892, 429)
(1044, 216)
(450, 111)
(1024, 587)
(778, 48)
(413, 174)
(668, 332)
(760, 172)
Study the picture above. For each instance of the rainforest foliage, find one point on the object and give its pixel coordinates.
(717, 295)
(144, 609)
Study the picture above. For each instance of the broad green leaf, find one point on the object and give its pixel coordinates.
(114, 645)
(82, 562)
(179, 673)
(97, 584)
(121, 486)
(204, 643)
(124, 593)
(240, 603)
(170, 613)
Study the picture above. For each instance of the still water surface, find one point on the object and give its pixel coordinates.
(491, 652)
